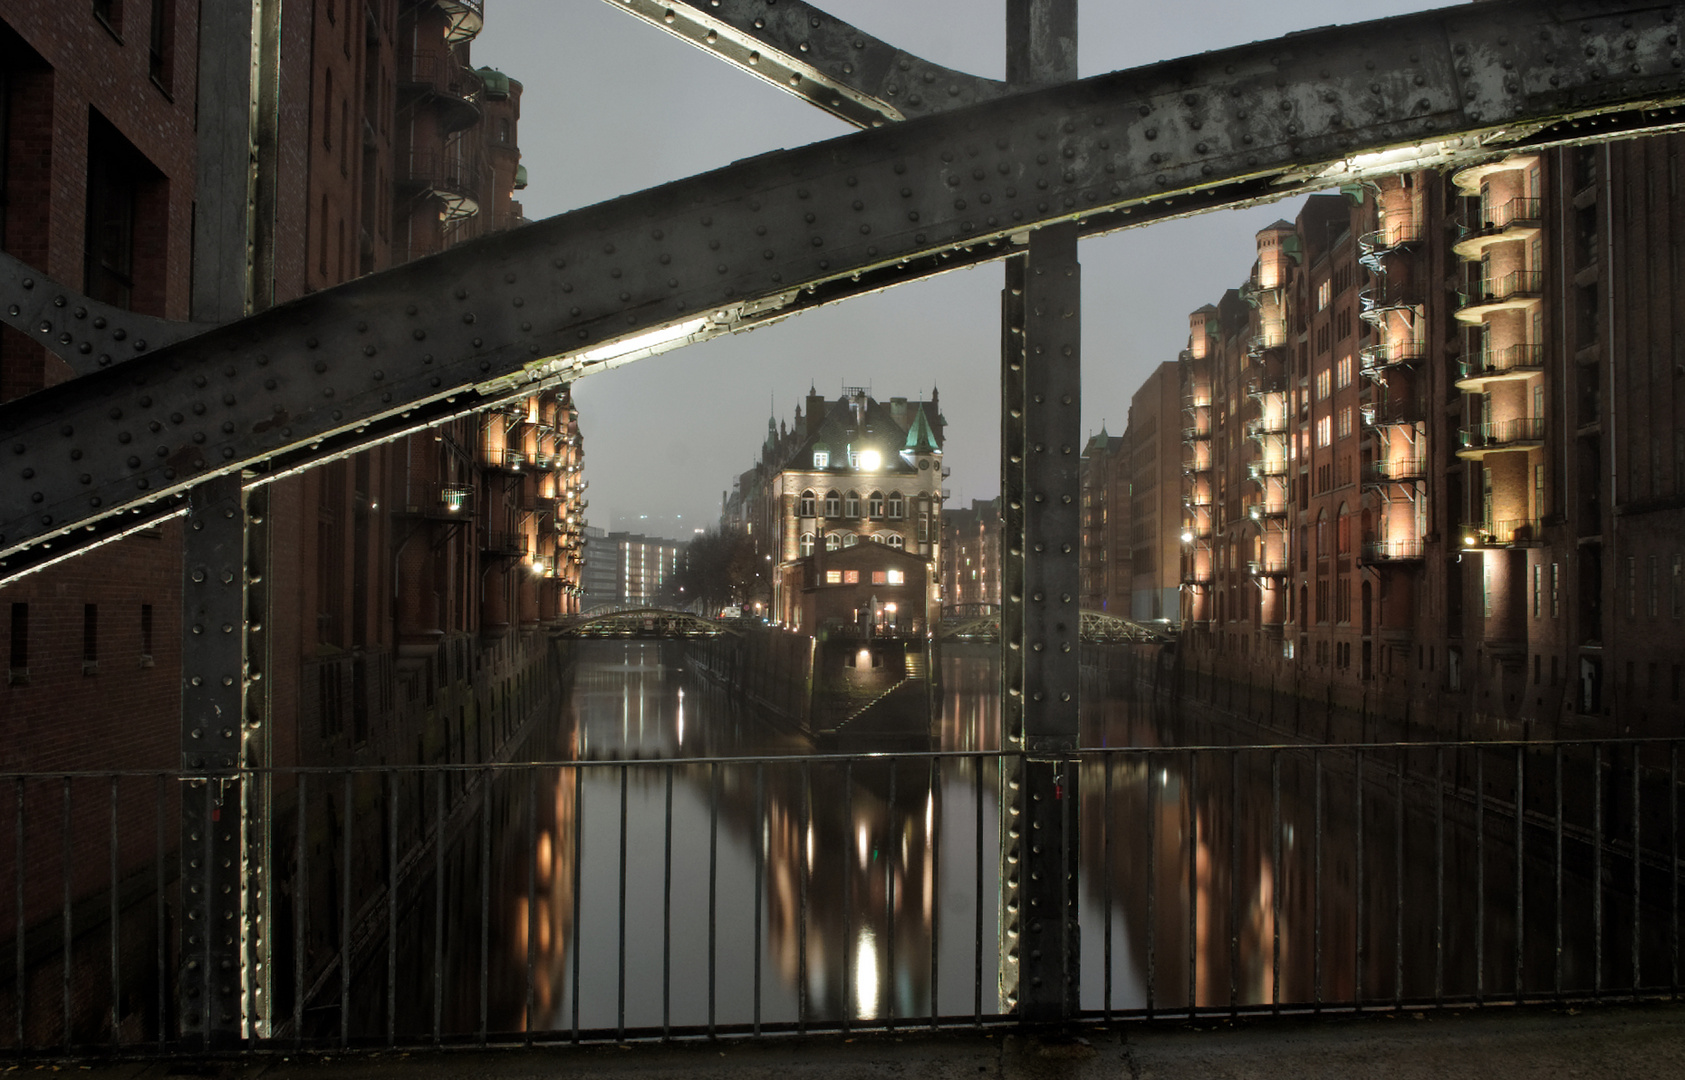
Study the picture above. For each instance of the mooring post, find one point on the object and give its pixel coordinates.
(1041, 412)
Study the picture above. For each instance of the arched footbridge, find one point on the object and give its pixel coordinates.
(645, 623)
(1098, 628)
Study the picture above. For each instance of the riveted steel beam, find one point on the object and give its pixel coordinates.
(86, 334)
(818, 57)
(392, 352)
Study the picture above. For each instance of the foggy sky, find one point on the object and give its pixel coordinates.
(613, 105)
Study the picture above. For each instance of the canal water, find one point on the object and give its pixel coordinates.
(637, 891)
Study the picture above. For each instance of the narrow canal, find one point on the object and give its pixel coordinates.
(641, 892)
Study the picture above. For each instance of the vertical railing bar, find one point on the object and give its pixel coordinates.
(935, 839)
(1280, 881)
(667, 911)
(1439, 875)
(848, 887)
(1637, 863)
(1520, 862)
(1361, 895)
(620, 920)
(1597, 869)
(345, 916)
(760, 871)
(116, 914)
(578, 886)
(890, 852)
(1480, 875)
(1316, 886)
(713, 880)
(1673, 862)
(485, 902)
(802, 883)
(64, 877)
(977, 904)
(1193, 877)
(1234, 883)
(1556, 977)
(1106, 880)
(301, 911)
(530, 852)
(1150, 818)
(159, 848)
(1398, 884)
(20, 948)
(438, 906)
(392, 909)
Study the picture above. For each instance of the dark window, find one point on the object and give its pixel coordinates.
(90, 637)
(327, 110)
(20, 637)
(109, 256)
(146, 635)
(110, 12)
(161, 42)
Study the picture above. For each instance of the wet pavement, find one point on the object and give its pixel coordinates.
(1498, 1043)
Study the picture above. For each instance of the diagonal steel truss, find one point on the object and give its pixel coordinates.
(585, 291)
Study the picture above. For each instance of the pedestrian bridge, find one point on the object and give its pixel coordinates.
(1098, 628)
(645, 623)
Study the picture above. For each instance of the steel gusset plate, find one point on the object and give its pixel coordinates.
(586, 290)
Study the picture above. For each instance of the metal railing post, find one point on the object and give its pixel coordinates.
(1040, 622)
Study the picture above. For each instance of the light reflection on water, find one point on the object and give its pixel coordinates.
(869, 889)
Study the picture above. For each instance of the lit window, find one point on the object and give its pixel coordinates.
(1346, 422)
(879, 577)
(895, 507)
(1345, 371)
(897, 577)
(806, 506)
(1324, 431)
(1324, 294)
(851, 504)
(806, 544)
(851, 577)
(821, 459)
(1322, 384)
(833, 577)
(833, 541)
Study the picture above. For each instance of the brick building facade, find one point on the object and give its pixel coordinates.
(1436, 468)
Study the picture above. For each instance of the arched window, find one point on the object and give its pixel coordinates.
(877, 538)
(874, 504)
(833, 541)
(1322, 534)
(895, 541)
(895, 506)
(806, 544)
(851, 504)
(805, 507)
(833, 504)
(850, 540)
(1343, 525)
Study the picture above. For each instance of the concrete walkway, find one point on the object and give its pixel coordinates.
(1645, 1042)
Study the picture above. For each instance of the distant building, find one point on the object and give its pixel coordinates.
(1107, 554)
(1155, 498)
(625, 568)
(849, 471)
(971, 557)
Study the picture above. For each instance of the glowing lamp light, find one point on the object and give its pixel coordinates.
(871, 460)
(1470, 540)
(1187, 536)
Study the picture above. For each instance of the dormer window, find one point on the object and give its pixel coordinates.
(821, 459)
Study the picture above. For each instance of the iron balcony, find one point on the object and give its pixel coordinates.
(1522, 433)
(1395, 471)
(1515, 362)
(1390, 551)
(1520, 288)
(1517, 219)
(1391, 354)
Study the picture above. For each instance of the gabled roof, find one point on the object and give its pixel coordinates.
(838, 429)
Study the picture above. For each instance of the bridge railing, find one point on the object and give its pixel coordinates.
(605, 899)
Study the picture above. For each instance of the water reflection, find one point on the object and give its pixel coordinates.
(644, 889)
